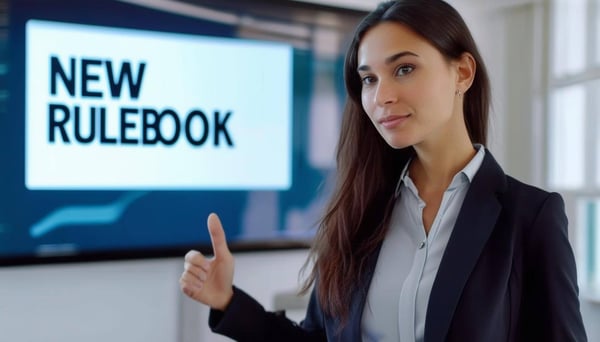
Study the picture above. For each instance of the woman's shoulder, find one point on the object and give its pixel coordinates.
(516, 187)
(527, 200)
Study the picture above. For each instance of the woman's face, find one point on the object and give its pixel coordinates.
(408, 87)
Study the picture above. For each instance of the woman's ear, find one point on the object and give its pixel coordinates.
(465, 70)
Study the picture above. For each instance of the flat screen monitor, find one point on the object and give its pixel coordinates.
(123, 124)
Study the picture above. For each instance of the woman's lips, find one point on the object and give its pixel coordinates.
(393, 120)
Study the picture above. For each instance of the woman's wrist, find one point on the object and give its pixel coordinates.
(224, 303)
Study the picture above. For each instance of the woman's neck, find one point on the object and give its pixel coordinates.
(437, 163)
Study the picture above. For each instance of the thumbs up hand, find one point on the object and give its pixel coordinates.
(210, 280)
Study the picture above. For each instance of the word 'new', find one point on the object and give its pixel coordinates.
(87, 74)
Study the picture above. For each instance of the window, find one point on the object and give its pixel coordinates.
(573, 139)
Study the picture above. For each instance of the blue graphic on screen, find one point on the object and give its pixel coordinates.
(48, 211)
(84, 215)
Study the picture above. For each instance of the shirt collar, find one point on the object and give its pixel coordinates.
(403, 174)
(473, 166)
(468, 171)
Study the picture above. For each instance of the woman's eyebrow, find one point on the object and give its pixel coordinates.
(389, 60)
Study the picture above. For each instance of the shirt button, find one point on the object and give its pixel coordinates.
(422, 244)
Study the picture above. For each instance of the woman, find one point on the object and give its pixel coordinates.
(425, 237)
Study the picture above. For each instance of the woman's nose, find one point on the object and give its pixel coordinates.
(385, 93)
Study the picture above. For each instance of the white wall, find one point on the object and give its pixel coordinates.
(126, 300)
(93, 302)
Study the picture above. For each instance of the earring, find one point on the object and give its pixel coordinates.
(457, 93)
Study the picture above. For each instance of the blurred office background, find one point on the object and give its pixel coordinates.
(544, 60)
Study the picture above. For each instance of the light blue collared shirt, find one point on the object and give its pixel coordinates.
(409, 259)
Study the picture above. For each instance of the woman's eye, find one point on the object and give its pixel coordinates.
(404, 70)
(368, 80)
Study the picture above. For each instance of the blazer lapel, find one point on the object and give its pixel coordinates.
(473, 227)
(352, 331)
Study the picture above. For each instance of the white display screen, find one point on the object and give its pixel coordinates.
(122, 109)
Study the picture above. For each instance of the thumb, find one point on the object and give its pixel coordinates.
(217, 236)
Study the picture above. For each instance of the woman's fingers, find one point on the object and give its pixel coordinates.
(199, 272)
(210, 281)
(191, 285)
(217, 236)
(197, 260)
(196, 272)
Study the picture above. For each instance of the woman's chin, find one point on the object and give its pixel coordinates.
(399, 144)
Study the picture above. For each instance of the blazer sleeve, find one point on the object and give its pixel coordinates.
(551, 299)
(246, 320)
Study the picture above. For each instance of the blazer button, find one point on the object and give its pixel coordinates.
(422, 244)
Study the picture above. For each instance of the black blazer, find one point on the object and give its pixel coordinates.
(507, 274)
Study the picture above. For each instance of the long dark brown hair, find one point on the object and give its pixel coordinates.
(356, 218)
